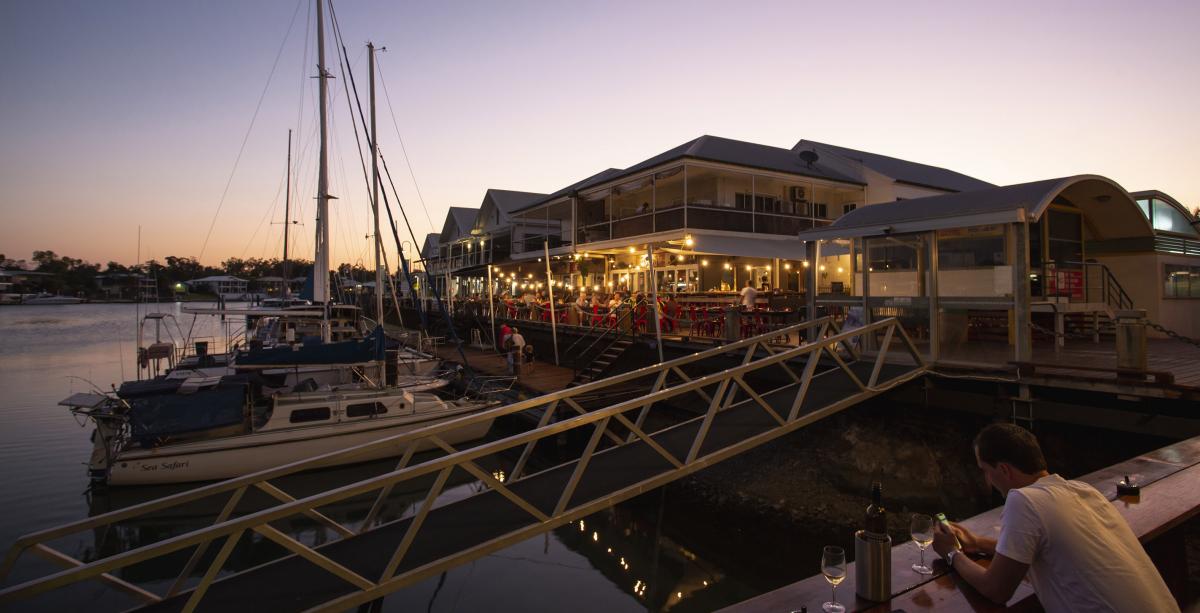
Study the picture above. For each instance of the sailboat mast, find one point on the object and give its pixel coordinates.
(375, 185)
(321, 259)
(375, 203)
(287, 222)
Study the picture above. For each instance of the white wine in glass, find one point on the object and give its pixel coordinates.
(921, 528)
(833, 566)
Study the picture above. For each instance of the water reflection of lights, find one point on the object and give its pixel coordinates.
(595, 537)
(581, 526)
(499, 476)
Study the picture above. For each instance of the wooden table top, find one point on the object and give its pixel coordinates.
(1170, 495)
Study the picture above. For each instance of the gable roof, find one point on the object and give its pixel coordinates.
(429, 250)
(508, 201)
(741, 153)
(459, 221)
(904, 171)
(498, 205)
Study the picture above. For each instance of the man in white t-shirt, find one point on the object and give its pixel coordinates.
(1078, 551)
(749, 295)
(516, 347)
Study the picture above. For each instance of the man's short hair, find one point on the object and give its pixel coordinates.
(1010, 443)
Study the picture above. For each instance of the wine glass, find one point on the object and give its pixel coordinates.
(833, 566)
(921, 528)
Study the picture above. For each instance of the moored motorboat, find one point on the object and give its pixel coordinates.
(224, 432)
(51, 299)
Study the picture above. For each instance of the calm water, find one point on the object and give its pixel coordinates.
(646, 554)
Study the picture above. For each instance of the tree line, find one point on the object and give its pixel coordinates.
(76, 277)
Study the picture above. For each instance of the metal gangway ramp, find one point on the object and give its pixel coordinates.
(768, 392)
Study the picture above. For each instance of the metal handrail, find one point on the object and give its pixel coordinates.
(1112, 293)
(615, 329)
(232, 529)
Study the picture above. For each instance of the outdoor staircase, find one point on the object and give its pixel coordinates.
(601, 363)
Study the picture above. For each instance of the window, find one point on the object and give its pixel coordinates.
(1144, 205)
(761, 203)
(1170, 219)
(820, 210)
(846, 208)
(976, 247)
(304, 415)
(365, 409)
(891, 257)
(1181, 281)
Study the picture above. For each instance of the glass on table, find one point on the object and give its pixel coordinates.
(921, 528)
(833, 566)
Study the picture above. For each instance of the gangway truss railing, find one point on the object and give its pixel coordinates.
(612, 428)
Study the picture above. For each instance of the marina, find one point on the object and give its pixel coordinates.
(676, 371)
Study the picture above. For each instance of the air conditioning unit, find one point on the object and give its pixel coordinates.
(797, 193)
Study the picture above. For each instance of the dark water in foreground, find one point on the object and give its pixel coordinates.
(645, 554)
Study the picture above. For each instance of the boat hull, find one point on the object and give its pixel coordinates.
(241, 455)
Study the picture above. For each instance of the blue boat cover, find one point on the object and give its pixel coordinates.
(153, 418)
(346, 352)
(148, 387)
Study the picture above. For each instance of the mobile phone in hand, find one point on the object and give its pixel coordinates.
(941, 518)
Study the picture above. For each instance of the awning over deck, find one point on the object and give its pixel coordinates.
(1109, 210)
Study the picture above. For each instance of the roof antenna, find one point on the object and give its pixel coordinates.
(809, 157)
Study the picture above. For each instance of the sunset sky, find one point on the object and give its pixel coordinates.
(121, 114)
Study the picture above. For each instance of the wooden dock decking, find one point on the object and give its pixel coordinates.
(541, 377)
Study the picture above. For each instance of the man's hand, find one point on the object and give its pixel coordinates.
(973, 543)
(943, 540)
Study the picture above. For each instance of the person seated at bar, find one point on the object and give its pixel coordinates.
(1078, 551)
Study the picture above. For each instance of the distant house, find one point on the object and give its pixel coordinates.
(127, 286)
(225, 286)
(13, 282)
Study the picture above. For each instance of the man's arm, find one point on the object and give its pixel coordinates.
(998, 581)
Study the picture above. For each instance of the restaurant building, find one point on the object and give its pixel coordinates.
(716, 212)
(703, 218)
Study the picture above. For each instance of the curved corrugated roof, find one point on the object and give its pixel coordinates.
(993, 205)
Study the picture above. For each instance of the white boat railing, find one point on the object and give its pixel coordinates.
(670, 380)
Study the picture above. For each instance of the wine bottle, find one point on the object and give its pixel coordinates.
(876, 524)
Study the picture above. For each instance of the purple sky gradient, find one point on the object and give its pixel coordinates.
(119, 114)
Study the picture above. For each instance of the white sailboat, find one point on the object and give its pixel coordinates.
(230, 427)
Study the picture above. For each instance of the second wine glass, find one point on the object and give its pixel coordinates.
(921, 528)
